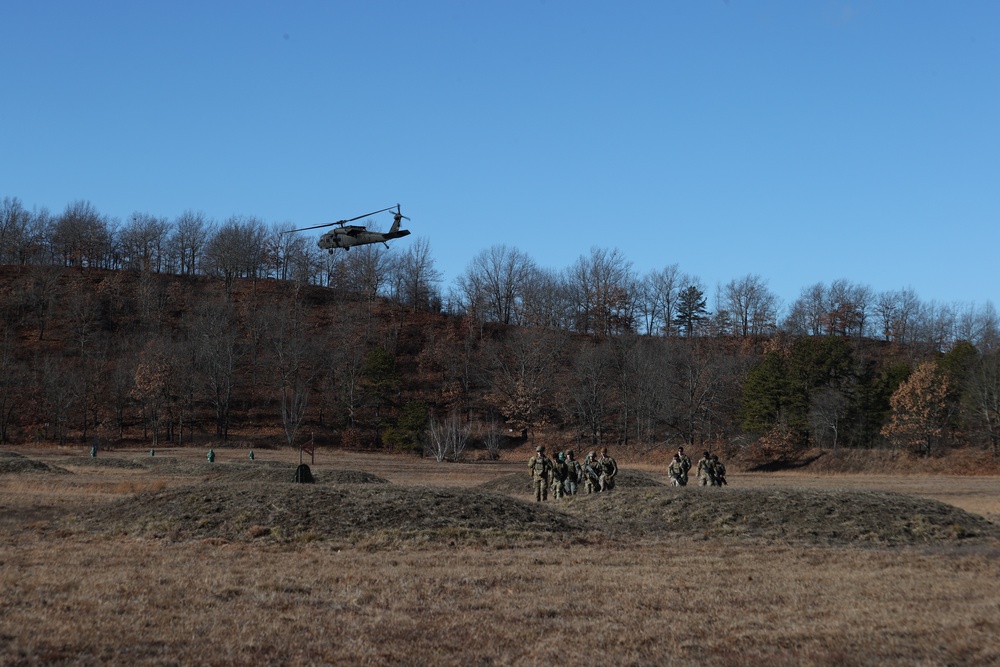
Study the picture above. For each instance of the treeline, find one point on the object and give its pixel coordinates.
(599, 294)
(152, 328)
(91, 355)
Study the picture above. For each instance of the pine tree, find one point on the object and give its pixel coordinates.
(691, 310)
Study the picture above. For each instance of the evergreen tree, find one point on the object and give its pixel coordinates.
(691, 310)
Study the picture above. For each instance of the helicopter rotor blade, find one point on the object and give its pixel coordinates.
(342, 222)
(304, 229)
(383, 210)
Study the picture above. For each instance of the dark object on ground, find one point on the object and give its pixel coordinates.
(303, 475)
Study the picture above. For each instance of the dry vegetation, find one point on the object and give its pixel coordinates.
(129, 560)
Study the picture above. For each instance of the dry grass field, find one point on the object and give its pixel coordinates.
(132, 560)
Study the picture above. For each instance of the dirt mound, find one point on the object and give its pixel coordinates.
(517, 483)
(12, 463)
(277, 471)
(786, 515)
(962, 461)
(360, 513)
(104, 462)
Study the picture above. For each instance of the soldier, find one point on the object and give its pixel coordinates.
(591, 474)
(685, 465)
(705, 470)
(540, 467)
(676, 471)
(559, 472)
(718, 471)
(573, 473)
(609, 468)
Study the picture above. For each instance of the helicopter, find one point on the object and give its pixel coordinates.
(347, 236)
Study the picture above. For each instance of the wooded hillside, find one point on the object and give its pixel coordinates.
(110, 356)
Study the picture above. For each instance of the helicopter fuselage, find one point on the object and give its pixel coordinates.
(352, 235)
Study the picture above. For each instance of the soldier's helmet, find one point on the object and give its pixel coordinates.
(540, 448)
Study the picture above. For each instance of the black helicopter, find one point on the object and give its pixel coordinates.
(347, 236)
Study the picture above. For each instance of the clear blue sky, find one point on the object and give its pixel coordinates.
(803, 140)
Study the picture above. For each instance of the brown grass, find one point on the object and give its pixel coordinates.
(432, 569)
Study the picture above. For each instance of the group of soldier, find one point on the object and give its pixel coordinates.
(710, 471)
(563, 475)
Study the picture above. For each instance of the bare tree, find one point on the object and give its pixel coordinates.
(143, 243)
(414, 278)
(494, 284)
(592, 376)
(807, 314)
(296, 360)
(984, 398)
(602, 290)
(187, 245)
(546, 301)
(150, 386)
(12, 381)
(979, 326)
(752, 307)
(58, 381)
(218, 355)
(447, 440)
(896, 312)
(934, 325)
(662, 288)
(346, 341)
(38, 295)
(522, 372)
(366, 270)
(295, 257)
(643, 372)
(695, 384)
(15, 223)
(492, 439)
(828, 407)
(81, 236)
(238, 249)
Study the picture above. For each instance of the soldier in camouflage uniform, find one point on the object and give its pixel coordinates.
(573, 473)
(541, 469)
(559, 472)
(609, 468)
(685, 465)
(676, 471)
(591, 474)
(718, 472)
(705, 470)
